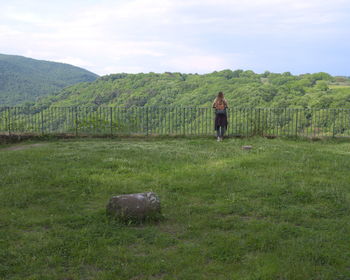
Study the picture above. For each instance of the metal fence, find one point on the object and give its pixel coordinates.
(173, 121)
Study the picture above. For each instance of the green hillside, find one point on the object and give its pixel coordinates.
(241, 88)
(24, 79)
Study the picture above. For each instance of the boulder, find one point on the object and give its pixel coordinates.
(136, 207)
(247, 147)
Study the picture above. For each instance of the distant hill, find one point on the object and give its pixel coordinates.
(24, 79)
(241, 89)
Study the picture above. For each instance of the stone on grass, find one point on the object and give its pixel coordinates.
(135, 207)
(247, 147)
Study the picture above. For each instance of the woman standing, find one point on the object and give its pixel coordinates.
(220, 106)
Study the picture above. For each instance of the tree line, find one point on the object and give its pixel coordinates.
(241, 89)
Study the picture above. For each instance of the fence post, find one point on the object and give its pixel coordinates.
(3, 119)
(184, 120)
(296, 123)
(111, 119)
(146, 121)
(259, 127)
(76, 121)
(42, 121)
(334, 115)
(9, 119)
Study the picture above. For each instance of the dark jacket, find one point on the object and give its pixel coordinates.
(220, 119)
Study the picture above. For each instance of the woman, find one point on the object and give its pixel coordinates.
(220, 106)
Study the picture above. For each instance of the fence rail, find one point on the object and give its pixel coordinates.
(173, 121)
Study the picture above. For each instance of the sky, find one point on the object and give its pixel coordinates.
(188, 36)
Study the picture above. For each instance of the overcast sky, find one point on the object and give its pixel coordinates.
(190, 36)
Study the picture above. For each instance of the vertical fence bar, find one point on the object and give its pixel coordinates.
(284, 122)
(342, 120)
(312, 125)
(13, 116)
(76, 121)
(151, 120)
(174, 121)
(293, 122)
(289, 121)
(296, 123)
(265, 128)
(259, 133)
(348, 118)
(9, 119)
(323, 122)
(42, 121)
(111, 120)
(277, 116)
(168, 114)
(183, 118)
(147, 121)
(238, 121)
(206, 121)
(334, 117)
(202, 120)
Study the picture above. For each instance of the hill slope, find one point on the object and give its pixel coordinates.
(241, 88)
(25, 79)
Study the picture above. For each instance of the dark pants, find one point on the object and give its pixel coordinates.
(220, 131)
(220, 124)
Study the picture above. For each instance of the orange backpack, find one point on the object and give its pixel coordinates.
(220, 105)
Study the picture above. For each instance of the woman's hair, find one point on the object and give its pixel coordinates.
(220, 100)
(220, 95)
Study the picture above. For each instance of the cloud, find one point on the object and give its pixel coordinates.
(203, 63)
(158, 35)
(6, 30)
(74, 61)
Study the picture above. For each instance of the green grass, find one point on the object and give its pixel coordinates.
(279, 211)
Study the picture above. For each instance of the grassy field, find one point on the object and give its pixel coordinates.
(279, 211)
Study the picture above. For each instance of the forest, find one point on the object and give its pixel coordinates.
(242, 89)
(25, 79)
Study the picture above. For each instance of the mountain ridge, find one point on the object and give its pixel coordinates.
(24, 79)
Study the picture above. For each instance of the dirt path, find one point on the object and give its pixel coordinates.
(22, 147)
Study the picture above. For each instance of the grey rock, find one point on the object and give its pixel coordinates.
(137, 207)
(247, 147)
